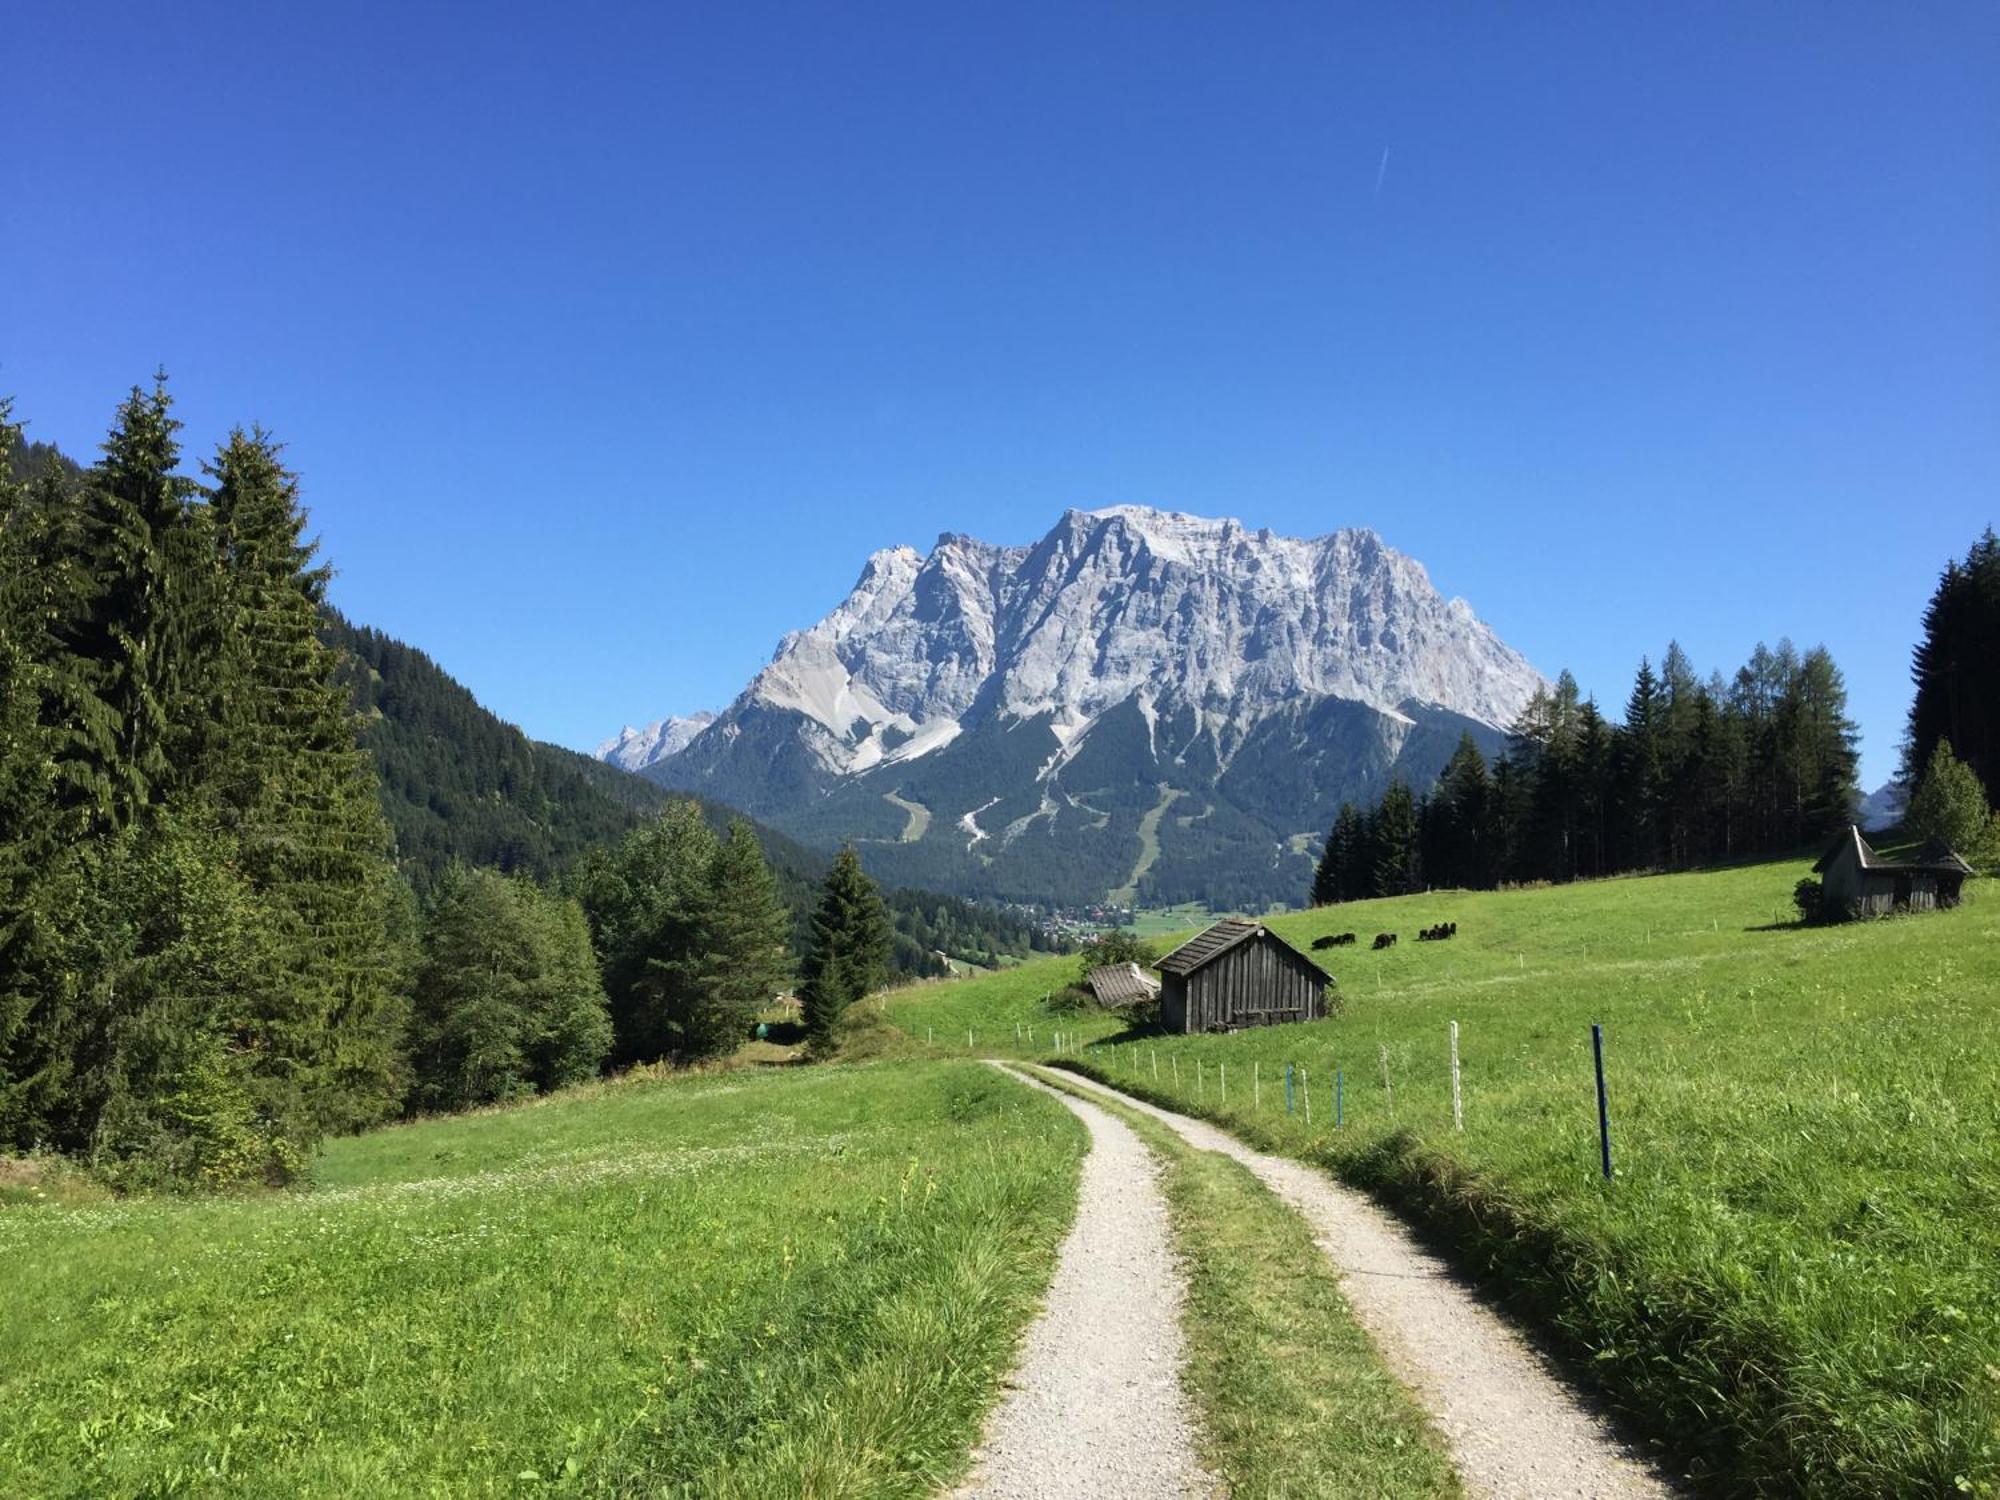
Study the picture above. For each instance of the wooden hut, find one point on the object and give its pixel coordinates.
(1239, 974)
(1123, 984)
(1855, 881)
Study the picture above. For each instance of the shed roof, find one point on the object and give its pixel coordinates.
(1865, 855)
(1123, 984)
(1936, 856)
(1204, 948)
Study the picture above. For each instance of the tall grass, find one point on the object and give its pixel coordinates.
(785, 1282)
(1795, 1275)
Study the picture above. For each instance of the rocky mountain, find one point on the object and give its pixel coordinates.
(1143, 704)
(635, 749)
(1882, 808)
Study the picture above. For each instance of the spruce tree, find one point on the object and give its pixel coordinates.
(57, 753)
(1334, 857)
(1398, 863)
(138, 532)
(296, 792)
(507, 998)
(1956, 669)
(850, 946)
(1456, 819)
(1641, 771)
(748, 961)
(1949, 804)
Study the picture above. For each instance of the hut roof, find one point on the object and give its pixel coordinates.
(1936, 856)
(1123, 984)
(1865, 855)
(1204, 948)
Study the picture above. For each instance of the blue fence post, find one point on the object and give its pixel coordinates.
(1288, 1088)
(1603, 1109)
(1336, 1098)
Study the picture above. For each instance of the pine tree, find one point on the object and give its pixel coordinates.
(1398, 863)
(1950, 804)
(138, 532)
(650, 906)
(850, 946)
(1956, 668)
(748, 962)
(1641, 772)
(57, 745)
(283, 766)
(1336, 860)
(507, 996)
(1456, 820)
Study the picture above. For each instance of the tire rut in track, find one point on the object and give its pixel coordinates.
(1095, 1407)
(1514, 1425)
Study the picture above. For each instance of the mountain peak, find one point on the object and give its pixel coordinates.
(634, 749)
(980, 691)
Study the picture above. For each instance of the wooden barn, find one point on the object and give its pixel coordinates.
(1239, 974)
(1123, 984)
(1855, 881)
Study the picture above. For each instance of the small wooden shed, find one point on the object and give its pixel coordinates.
(1123, 984)
(1855, 881)
(1238, 974)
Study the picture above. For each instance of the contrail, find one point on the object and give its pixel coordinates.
(1383, 170)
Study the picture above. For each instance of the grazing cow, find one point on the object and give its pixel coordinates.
(1346, 939)
(1325, 942)
(1384, 940)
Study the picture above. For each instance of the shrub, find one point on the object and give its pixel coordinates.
(1806, 897)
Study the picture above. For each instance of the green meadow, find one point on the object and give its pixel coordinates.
(1793, 1278)
(771, 1282)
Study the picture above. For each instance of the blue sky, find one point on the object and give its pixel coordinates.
(610, 339)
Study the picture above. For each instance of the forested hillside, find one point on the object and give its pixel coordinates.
(267, 876)
(459, 783)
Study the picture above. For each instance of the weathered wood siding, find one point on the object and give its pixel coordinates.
(1840, 886)
(1257, 983)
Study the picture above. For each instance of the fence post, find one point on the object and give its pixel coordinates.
(1305, 1088)
(1222, 1071)
(1256, 1085)
(1457, 1099)
(1387, 1087)
(1197, 1078)
(1288, 1088)
(1175, 1059)
(1603, 1109)
(1156, 1065)
(1336, 1098)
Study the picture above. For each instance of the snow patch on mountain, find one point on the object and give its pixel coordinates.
(634, 749)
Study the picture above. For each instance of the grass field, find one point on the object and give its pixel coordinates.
(779, 1282)
(1794, 1277)
(1291, 1396)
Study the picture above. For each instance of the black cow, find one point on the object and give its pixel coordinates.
(1384, 940)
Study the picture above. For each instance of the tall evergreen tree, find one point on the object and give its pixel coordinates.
(295, 790)
(1457, 819)
(1398, 859)
(507, 997)
(1333, 880)
(139, 535)
(1956, 669)
(747, 963)
(1641, 771)
(850, 946)
(650, 906)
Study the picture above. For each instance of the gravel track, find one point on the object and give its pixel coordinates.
(1514, 1427)
(1096, 1407)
